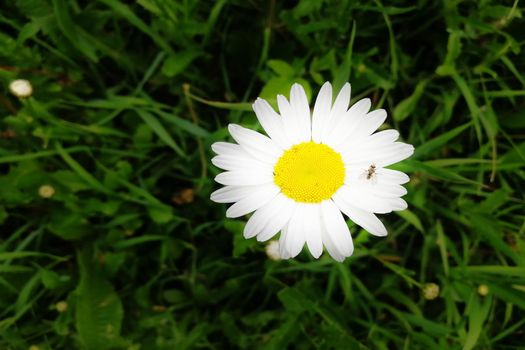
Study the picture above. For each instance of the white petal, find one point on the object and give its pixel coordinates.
(371, 122)
(399, 152)
(253, 201)
(360, 108)
(258, 145)
(283, 252)
(381, 157)
(289, 120)
(356, 174)
(363, 199)
(398, 204)
(343, 100)
(230, 194)
(350, 122)
(383, 137)
(238, 163)
(405, 151)
(299, 103)
(367, 144)
(321, 111)
(264, 215)
(389, 176)
(280, 219)
(296, 238)
(363, 218)
(244, 178)
(271, 122)
(227, 148)
(331, 247)
(388, 191)
(336, 228)
(340, 106)
(312, 228)
(376, 186)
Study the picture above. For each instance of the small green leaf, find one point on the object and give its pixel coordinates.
(281, 68)
(161, 214)
(159, 129)
(240, 244)
(293, 300)
(411, 218)
(439, 141)
(178, 62)
(453, 51)
(184, 124)
(68, 225)
(408, 105)
(50, 279)
(73, 32)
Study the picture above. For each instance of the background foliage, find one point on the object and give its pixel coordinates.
(129, 252)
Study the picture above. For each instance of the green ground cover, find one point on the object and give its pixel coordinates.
(126, 251)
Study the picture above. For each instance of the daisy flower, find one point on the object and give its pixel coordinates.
(311, 168)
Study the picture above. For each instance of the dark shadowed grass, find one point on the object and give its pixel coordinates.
(130, 253)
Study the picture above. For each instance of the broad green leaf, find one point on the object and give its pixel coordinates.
(99, 311)
(477, 313)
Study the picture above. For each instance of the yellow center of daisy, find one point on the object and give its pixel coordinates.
(309, 172)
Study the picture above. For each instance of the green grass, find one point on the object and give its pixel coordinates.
(129, 96)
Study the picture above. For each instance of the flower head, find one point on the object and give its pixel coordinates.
(21, 88)
(311, 168)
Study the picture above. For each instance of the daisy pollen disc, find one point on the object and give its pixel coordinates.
(309, 172)
(311, 167)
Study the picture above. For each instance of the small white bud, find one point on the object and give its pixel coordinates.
(430, 291)
(483, 290)
(46, 191)
(272, 250)
(61, 306)
(21, 88)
